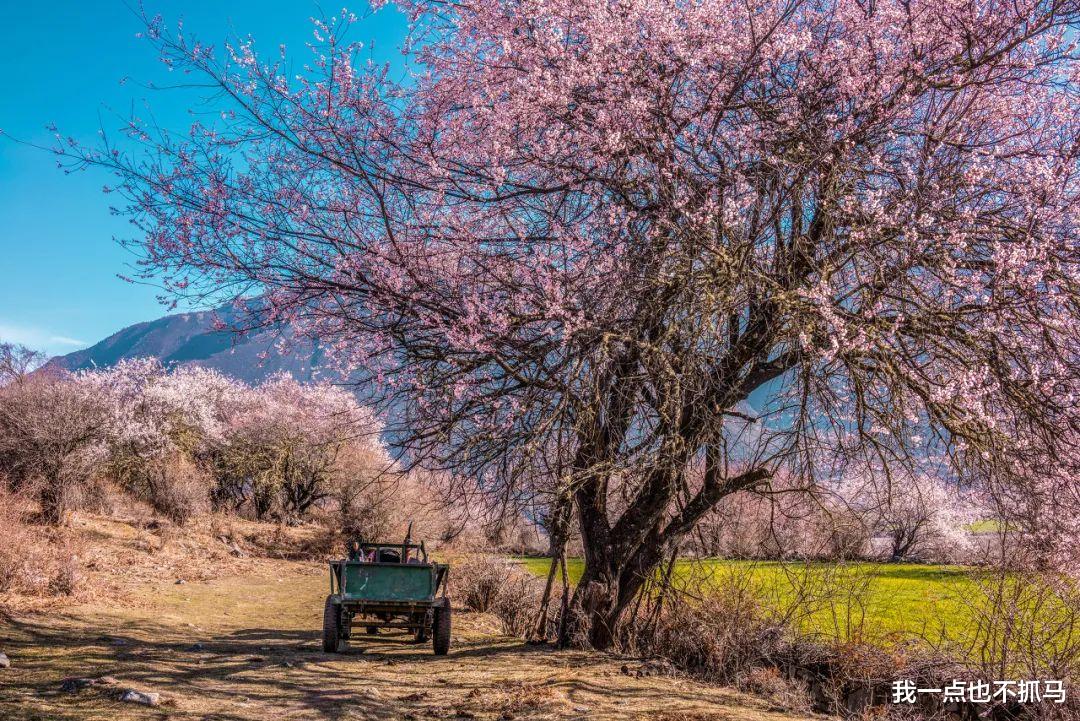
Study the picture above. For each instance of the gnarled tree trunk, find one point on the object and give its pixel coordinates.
(621, 557)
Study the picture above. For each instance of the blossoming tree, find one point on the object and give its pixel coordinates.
(581, 232)
(162, 427)
(286, 447)
(919, 515)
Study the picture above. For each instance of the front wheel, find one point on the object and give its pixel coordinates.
(331, 626)
(440, 629)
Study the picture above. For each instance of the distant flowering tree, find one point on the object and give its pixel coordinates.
(162, 427)
(591, 228)
(182, 437)
(17, 362)
(921, 516)
(285, 448)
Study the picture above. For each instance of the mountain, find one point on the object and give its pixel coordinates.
(197, 338)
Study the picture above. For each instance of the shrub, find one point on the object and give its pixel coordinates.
(50, 440)
(477, 583)
(721, 636)
(489, 584)
(32, 561)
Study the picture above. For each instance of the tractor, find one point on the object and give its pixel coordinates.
(387, 585)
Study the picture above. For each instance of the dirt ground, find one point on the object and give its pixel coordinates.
(246, 646)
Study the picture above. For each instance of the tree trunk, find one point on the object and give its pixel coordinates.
(558, 534)
(52, 501)
(621, 557)
(609, 585)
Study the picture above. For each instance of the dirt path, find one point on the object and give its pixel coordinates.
(258, 658)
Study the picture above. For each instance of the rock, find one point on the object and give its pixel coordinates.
(180, 582)
(195, 647)
(625, 670)
(75, 685)
(507, 716)
(371, 693)
(5, 662)
(581, 709)
(145, 698)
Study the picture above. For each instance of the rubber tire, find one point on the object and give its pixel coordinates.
(331, 626)
(440, 629)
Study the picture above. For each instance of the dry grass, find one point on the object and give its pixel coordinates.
(114, 557)
(34, 561)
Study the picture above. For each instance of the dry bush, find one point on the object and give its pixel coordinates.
(770, 683)
(174, 486)
(748, 633)
(50, 441)
(1023, 625)
(477, 582)
(721, 635)
(365, 506)
(490, 584)
(98, 495)
(368, 500)
(34, 560)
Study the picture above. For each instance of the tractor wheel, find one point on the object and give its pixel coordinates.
(372, 630)
(331, 626)
(440, 629)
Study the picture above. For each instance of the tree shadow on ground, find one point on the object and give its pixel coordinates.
(230, 674)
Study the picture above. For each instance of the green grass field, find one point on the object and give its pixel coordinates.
(875, 603)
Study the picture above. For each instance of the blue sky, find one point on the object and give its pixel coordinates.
(63, 63)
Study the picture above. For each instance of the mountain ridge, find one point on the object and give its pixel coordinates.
(209, 338)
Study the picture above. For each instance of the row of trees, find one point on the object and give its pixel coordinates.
(189, 439)
(192, 438)
(921, 518)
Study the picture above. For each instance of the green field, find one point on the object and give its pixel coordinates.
(867, 602)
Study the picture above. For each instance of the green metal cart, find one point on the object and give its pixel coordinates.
(387, 585)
